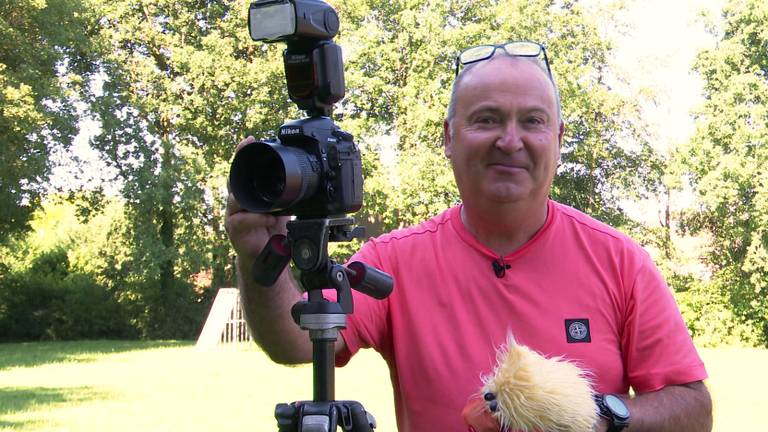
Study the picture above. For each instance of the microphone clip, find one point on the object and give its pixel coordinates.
(500, 267)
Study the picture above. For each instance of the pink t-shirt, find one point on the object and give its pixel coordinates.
(578, 289)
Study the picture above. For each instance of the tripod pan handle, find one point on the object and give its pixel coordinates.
(369, 280)
(271, 261)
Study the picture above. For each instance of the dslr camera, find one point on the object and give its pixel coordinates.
(313, 169)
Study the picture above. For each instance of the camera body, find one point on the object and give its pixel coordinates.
(313, 169)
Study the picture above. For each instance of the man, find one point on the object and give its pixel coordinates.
(507, 260)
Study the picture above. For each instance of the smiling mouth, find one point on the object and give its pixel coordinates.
(506, 167)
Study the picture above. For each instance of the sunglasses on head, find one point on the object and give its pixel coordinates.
(515, 48)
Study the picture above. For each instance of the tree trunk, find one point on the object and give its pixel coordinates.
(166, 221)
(220, 261)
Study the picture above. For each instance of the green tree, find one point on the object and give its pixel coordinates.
(43, 47)
(399, 74)
(725, 162)
(183, 83)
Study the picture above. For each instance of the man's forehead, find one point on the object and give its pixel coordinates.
(506, 64)
(502, 72)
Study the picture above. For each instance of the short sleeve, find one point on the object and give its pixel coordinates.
(657, 349)
(367, 326)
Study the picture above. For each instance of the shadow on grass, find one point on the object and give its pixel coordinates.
(30, 354)
(15, 400)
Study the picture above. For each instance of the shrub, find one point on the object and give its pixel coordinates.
(708, 314)
(48, 302)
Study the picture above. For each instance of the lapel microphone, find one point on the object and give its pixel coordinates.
(500, 267)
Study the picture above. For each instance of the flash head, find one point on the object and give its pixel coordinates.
(282, 20)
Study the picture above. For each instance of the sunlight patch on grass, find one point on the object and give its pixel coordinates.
(737, 382)
(28, 354)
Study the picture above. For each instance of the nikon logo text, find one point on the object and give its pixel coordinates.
(290, 131)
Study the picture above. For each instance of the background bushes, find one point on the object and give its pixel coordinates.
(49, 302)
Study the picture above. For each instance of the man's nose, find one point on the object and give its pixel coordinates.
(509, 141)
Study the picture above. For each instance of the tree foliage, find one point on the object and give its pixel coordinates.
(183, 83)
(42, 62)
(399, 74)
(725, 162)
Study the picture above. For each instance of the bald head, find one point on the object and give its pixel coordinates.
(467, 71)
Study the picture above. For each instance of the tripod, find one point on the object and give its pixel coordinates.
(307, 245)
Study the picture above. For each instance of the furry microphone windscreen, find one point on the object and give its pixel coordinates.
(529, 392)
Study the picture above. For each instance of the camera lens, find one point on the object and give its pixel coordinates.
(267, 177)
(269, 184)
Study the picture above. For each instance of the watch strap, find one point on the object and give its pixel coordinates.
(614, 427)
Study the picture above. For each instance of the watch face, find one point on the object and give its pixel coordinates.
(616, 405)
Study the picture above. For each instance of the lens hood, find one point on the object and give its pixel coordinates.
(267, 177)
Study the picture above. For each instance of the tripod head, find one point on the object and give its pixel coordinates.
(307, 245)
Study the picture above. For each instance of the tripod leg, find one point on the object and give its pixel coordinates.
(354, 418)
(287, 417)
(362, 421)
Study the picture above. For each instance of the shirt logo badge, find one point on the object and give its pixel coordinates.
(577, 330)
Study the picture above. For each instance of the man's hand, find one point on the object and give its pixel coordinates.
(247, 231)
(478, 418)
(267, 309)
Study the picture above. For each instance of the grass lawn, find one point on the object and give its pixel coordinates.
(169, 386)
(158, 386)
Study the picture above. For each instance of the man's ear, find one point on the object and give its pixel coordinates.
(561, 133)
(447, 138)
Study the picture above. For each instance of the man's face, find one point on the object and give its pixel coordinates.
(504, 141)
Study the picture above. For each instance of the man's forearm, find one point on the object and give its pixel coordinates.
(268, 314)
(677, 408)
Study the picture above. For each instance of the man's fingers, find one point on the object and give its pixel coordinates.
(232, 205)
(243, 220)
(245, 142)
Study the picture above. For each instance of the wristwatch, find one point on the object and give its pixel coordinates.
(615, 410)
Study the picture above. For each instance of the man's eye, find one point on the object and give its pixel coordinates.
(486, 120)
(535, 121)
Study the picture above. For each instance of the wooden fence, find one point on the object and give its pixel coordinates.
(225, 324)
